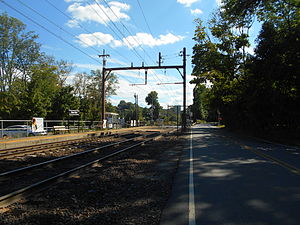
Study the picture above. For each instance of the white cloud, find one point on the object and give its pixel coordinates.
(140, 39)
(146, 39)
(117, 43)
(196, 12)
(95, 39)
(187, 3)
(94, 12)
(88, 66)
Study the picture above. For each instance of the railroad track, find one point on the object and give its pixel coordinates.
(23, 182)
(33, 149)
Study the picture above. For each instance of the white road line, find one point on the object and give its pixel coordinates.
(192, 218)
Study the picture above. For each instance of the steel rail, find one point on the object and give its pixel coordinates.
(38, 165)
(41, 146)
(59, 142)
(41, 185)
(27, 151)
(49, 146)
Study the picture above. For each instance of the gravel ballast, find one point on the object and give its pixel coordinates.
(131, 188)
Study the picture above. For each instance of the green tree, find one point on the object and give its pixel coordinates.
(88, 87)
(126, 110)
(110, 108)
(41, 90)
(275, 78)
(19, 51)
(200, 105)
(152, 99)
(259, 91)
(220, 57)
(63, 100)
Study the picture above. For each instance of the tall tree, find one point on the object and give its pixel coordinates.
(200, 102)
(63, 100)
(88, 88)
(126, 110)
(41, 90)
(18, 50)
(152, 99)
(220, 57)
(259, 91)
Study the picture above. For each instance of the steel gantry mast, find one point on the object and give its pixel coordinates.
(178, 67)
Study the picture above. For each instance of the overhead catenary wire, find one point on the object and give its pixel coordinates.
(145, 19)
(124, 37)
(116, 27)
(49, 31)
(125, 27)
(147, 24)
(135, 23)
(55, 34)
(137, 54)
(67, 32)
(131, 36)
(82, 27)
(38, 24)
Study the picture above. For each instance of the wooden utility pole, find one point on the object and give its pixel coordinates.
(103, 86)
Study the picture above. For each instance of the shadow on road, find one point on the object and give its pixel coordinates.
(234, 186)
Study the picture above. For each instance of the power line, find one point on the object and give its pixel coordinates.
(133, 48)
(54, 34)
(57, 26)
(69, 33)
(137, 54)
(132, 36)
(38, 24)
(147, 24)
(82, 27)
(110, 27)
(149, 29)
(144, 17)
(139, 44)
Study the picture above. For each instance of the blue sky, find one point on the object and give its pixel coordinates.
(129, 30)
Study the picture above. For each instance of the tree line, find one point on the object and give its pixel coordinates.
(33, 84)
(252, 91)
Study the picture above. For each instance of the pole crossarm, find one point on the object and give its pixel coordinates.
(143, 68)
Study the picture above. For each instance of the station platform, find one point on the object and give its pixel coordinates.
(28, 141)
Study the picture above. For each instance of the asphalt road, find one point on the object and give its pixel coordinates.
(227, 180)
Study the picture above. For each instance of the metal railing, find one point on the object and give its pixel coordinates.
(73, 125)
